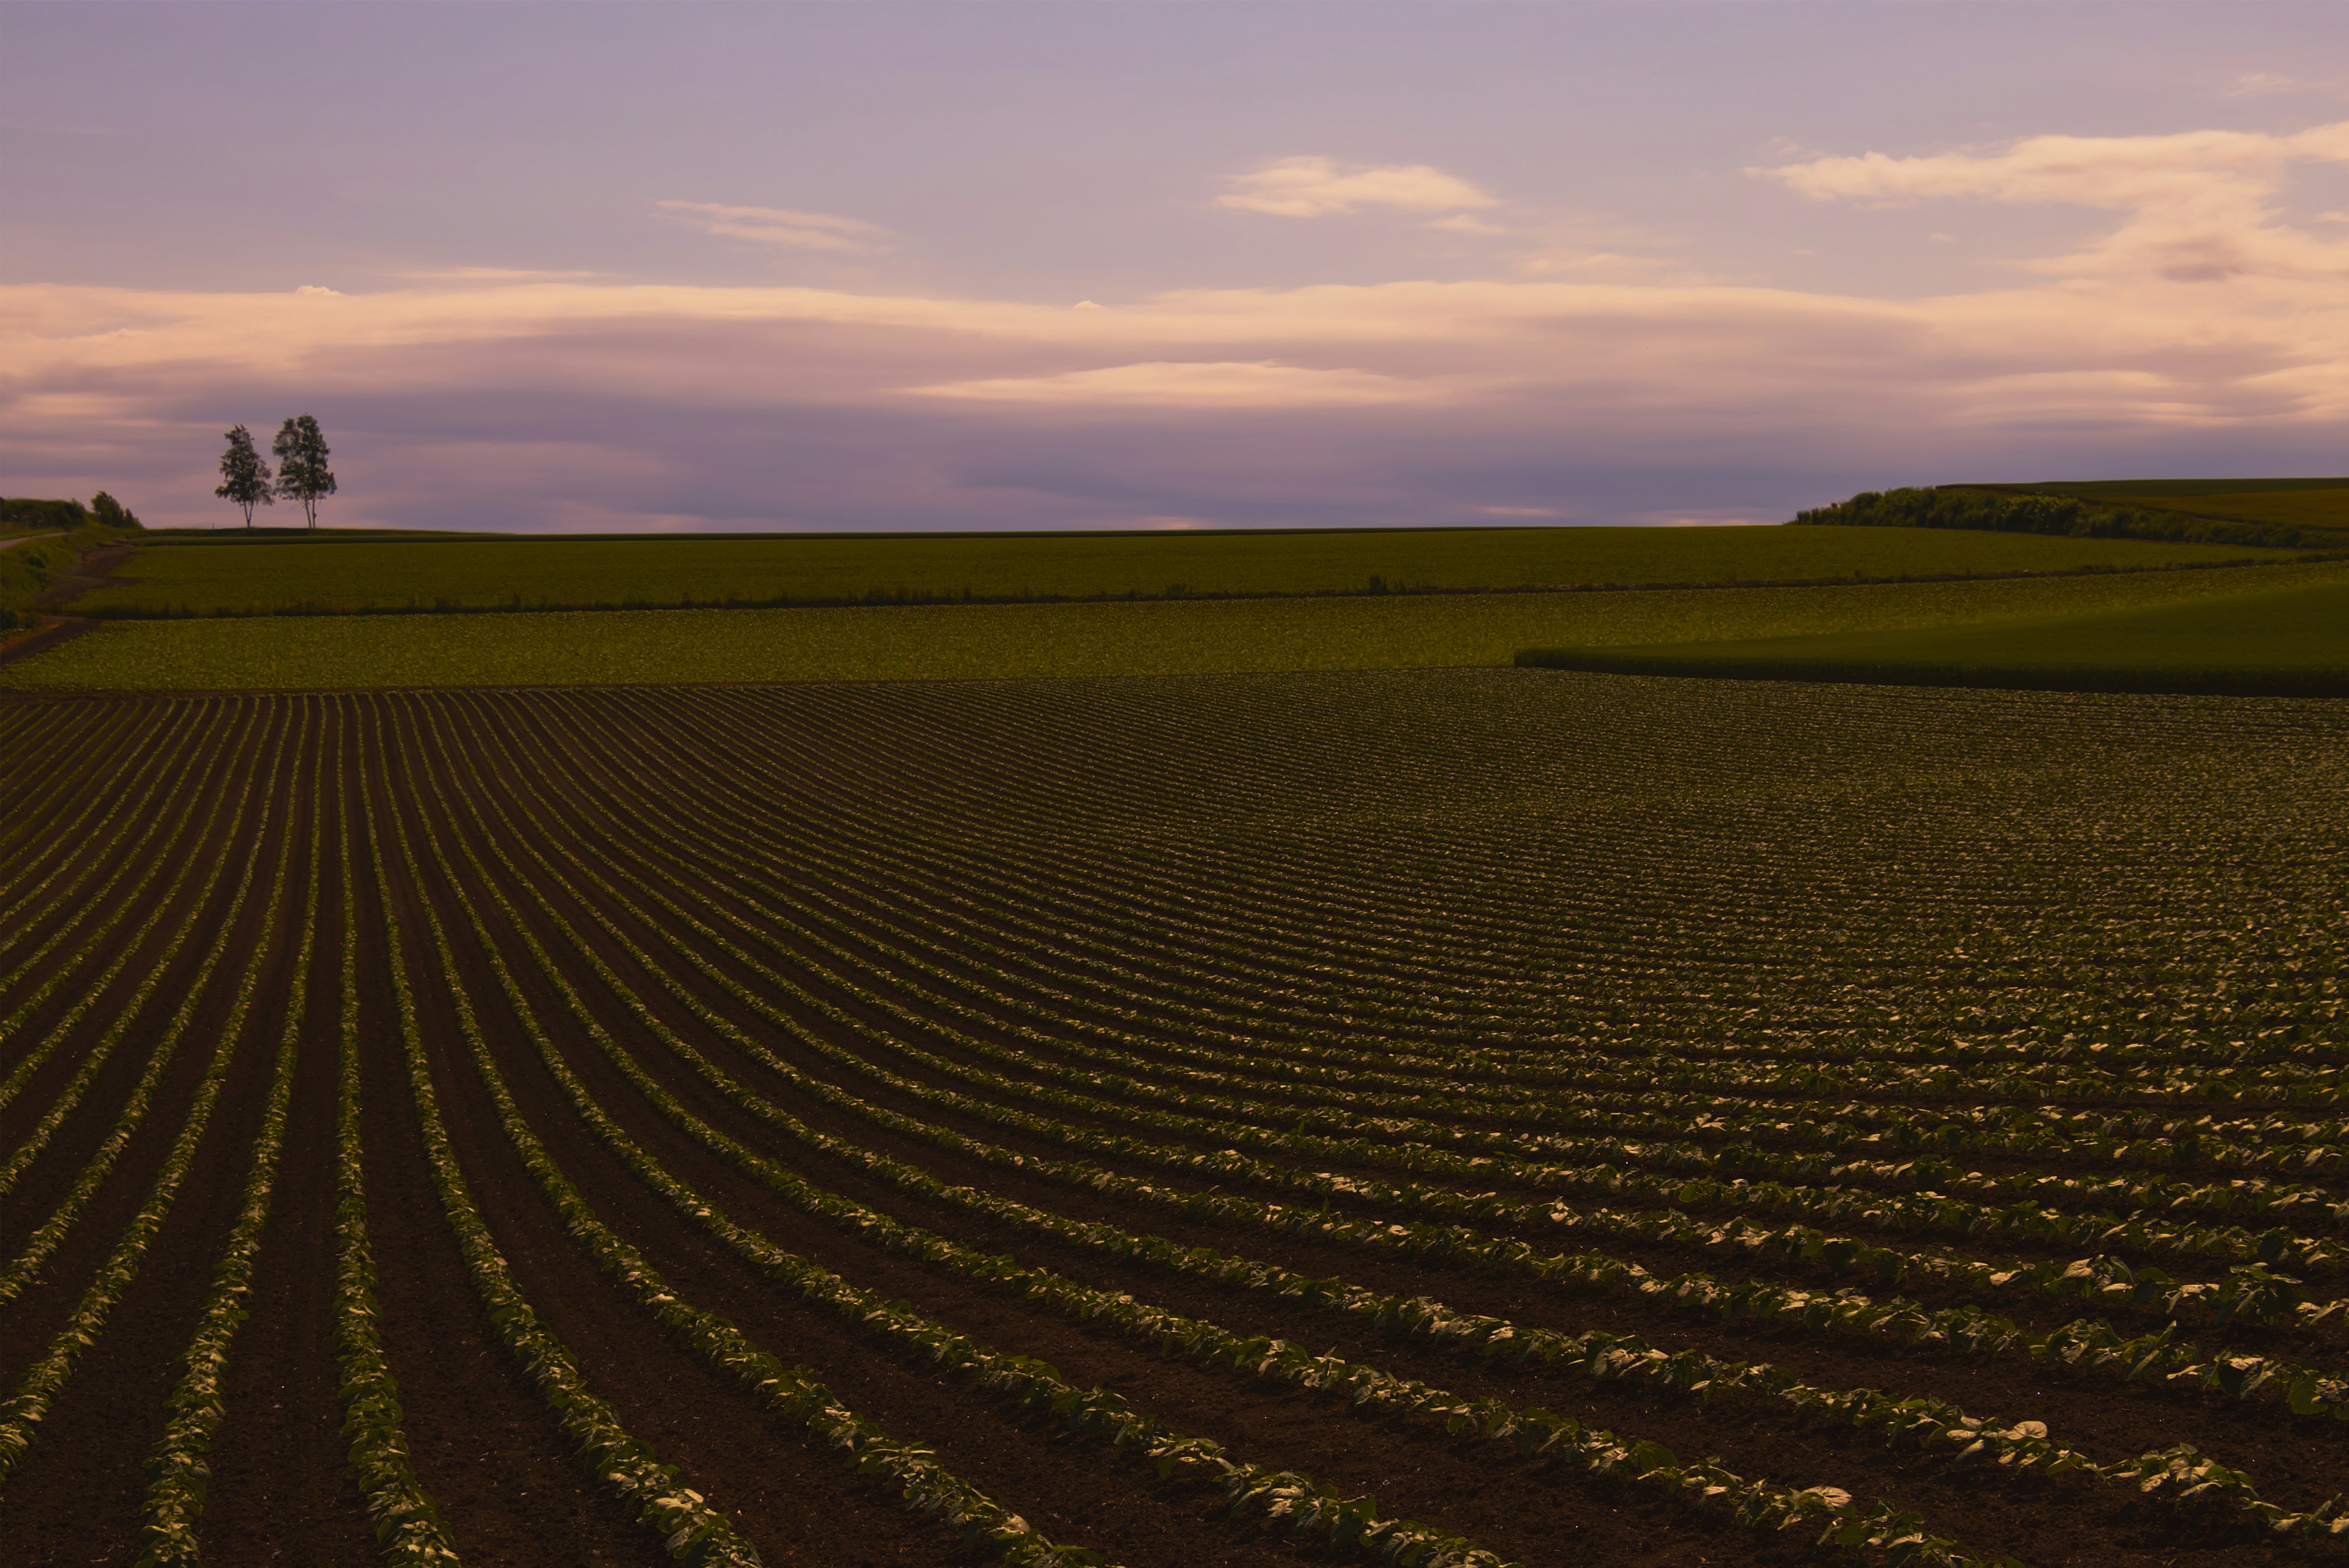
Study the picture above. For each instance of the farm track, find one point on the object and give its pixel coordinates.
(957, 995)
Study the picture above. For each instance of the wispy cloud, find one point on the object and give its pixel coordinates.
(1204, 384)
(784, 227)
(2201, 205)
(2270, 84)
(497, 275)
(1465, 223)
(1312, 187)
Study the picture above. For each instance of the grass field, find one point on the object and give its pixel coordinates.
(1476, 1117)
(229, 575)
(927, 642)
(2287, 639)
(2311, 502)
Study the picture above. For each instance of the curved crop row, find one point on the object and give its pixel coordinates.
(1533, 1433)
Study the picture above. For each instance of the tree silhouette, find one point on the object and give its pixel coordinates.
(244, 477)
(302, 471)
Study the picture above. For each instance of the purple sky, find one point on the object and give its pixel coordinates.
(1162, 265)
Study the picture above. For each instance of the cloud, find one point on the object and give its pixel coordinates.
(1216, 384)
(1609, 392)
(496, 274)
(1461, 223)
(2268, 84)
(2201, 206)
(783, 227)
(1322, 187)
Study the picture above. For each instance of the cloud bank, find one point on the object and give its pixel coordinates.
(2202, 325)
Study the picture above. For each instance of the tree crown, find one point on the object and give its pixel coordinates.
(300, 452)
(244, 476)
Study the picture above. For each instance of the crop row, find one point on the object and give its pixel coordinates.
(1935, 1214)
(21, 1418)
(2255, 1292)
(1863, 1407)
(1316, 1082)
(920, 1481)
(1914, 1421)
(124, 949)
(861, 875)
(1530, 1432)
(1115, 1096)
(1546, 996)
(1456, 915)
(1175, 908)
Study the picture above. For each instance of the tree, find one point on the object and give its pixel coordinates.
(244, 477)
(302, 471)
(111, 512)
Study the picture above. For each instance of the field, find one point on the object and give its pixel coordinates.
(227, 575)
(2291, 640)
(2316, 502)
(1429, 1118)
(1186, 636)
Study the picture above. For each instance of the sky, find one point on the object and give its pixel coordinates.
(980, 266)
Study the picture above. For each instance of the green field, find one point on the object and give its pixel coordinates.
(957, 642)
(2289, 640)
(2306, 503)
(232, 576)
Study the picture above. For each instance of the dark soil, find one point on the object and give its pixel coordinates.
(504, 799)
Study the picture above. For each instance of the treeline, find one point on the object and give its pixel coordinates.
(2012, 511)
(62, 516)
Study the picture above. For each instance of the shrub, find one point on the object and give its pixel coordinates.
(2010, 511)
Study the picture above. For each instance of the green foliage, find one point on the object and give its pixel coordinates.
(302, 475)
(2010, 509)
(2301, 502)
(331, 573)
(245, 475)
(23, 514)
(108, 512)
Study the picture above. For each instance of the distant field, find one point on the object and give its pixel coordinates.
(940, 641)
(2309, 503)
(230, 576)
(2106, 489)
(2288, 640)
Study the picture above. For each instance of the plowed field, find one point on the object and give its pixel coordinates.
(1429, 1118)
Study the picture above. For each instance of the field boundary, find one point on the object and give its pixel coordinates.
(2328, 683)
(1378, 587)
